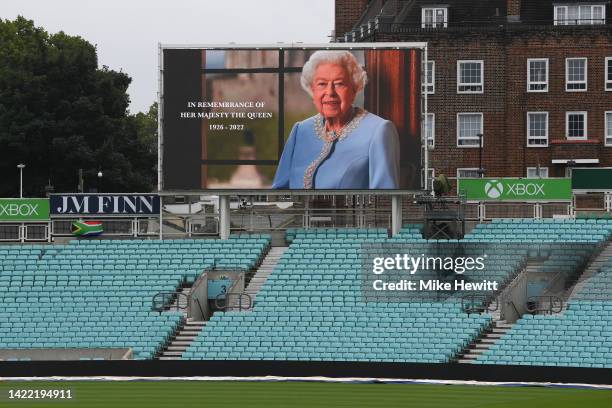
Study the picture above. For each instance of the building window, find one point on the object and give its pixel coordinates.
(537, 129)
(576, 125)
(608, 129)
(470, 77)
(608, 73)
(430, 77)
(468, 173)
(469, 126)
(537, 75)
(580, 14)
(575, 74)
(430, 129)
(537, 172)
(434, 17)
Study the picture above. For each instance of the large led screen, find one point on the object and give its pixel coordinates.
(290, 119)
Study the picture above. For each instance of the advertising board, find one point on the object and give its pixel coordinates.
(523, 189)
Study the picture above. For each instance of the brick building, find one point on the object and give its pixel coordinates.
(533, 77)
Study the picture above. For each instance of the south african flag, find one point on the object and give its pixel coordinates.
(87, 228)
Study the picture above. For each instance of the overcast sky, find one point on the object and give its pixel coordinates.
(127, 32)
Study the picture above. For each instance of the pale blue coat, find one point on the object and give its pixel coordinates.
(367, 158)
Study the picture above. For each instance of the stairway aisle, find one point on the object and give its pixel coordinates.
(261, 275)
(484, 341)
(181, 341)
(589, 272)
(498, 327)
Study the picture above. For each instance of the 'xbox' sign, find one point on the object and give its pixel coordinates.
(24, 209)
(494, 189)
(502, 189)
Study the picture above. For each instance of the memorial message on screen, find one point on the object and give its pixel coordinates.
(290, 118)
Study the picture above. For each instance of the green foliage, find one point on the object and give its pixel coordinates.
(442, 185)
(59, 112)
(146, 123)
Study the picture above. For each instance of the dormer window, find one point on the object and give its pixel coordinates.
(434, 17)
(580, 14)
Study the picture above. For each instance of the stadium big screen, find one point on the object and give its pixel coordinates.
(295, 117)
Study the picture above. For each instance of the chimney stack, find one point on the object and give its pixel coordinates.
(347, 14)
(514, 11)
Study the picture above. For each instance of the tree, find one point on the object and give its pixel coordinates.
(147, 127)
(59, 113)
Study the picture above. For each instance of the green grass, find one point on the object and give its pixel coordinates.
(224, 394)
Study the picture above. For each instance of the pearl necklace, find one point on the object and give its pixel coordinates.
(329, 138)
(344, 132)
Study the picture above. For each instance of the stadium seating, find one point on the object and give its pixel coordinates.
(541, 230)
(581, 336)
(311, 308)
(98, 293)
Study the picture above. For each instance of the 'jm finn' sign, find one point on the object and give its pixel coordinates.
(105, 204)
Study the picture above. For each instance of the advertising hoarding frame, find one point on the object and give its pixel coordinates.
(422, 46)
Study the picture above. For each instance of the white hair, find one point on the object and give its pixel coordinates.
(344, 58)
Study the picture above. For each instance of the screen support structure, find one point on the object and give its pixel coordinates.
(224, 217)
(424, 114)
(396, 214)
(161, 218)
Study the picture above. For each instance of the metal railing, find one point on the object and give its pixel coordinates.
(511, 303)
(385, 25)
(25, 232)
(200, 307)
(162, 301)
(545, 304)
(279, 220)
(227, 304)
(475, 303)
(36, 232)
(10, 232)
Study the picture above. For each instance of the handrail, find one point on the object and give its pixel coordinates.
(533, 304)
(478, 307)
(200, 307)
(166, 299)
(510, 302)
(227, 296)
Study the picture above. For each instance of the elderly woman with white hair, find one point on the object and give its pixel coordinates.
(342, 147)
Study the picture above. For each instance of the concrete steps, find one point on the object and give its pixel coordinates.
(592, 269)
(484, 342)
(261, 276)
(181, 341)
(499, 327)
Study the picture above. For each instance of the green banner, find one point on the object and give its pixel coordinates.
(24, 209)
(516, 189)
